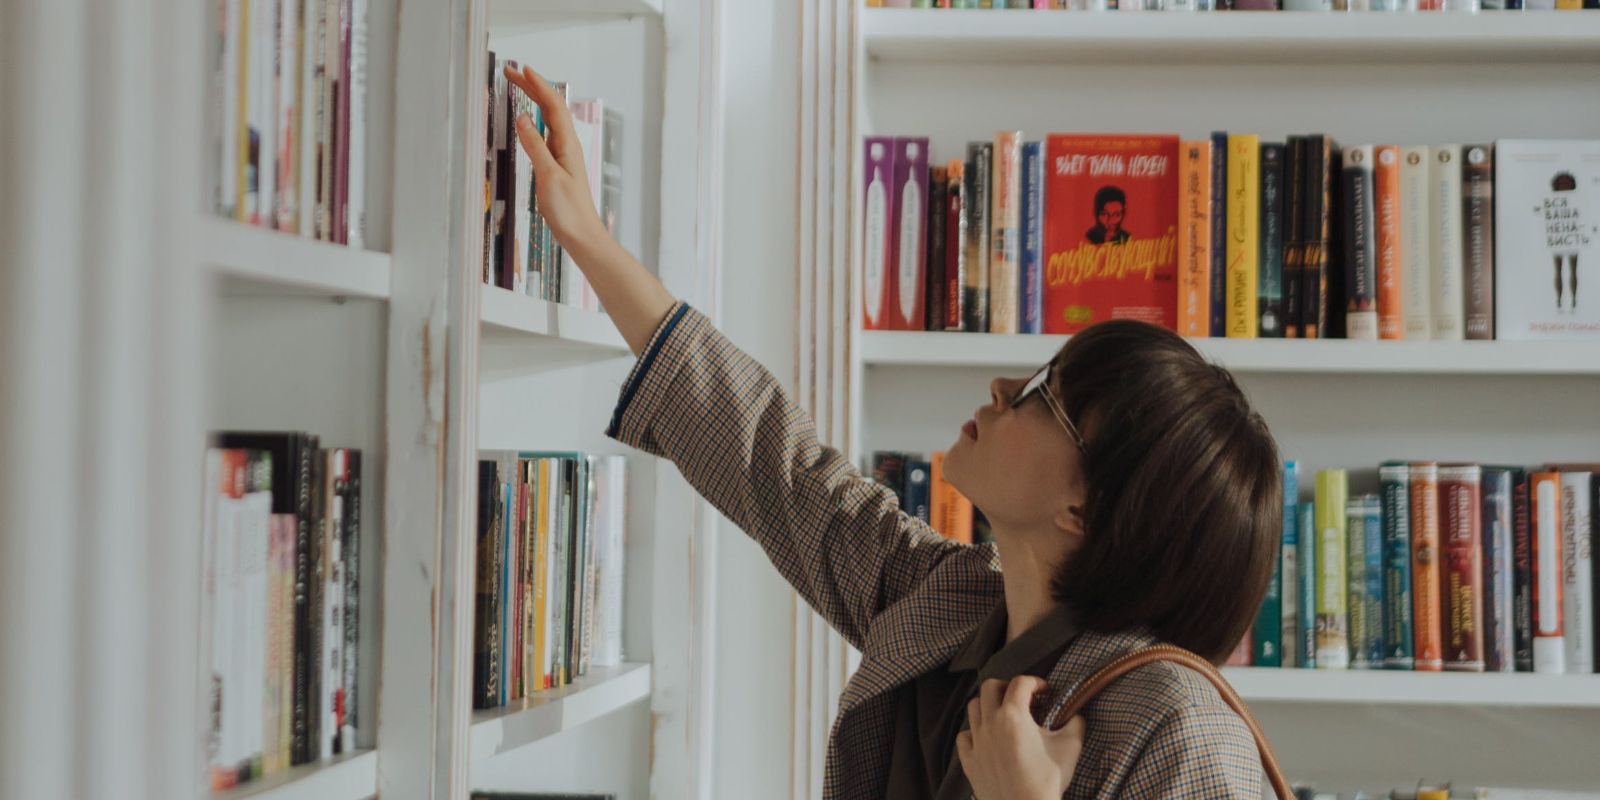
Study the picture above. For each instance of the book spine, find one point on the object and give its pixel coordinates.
(1294, 190)
(951, 512)
(917, 497)
(1461, 527)
(356, 108)
(1577, 581)
(1387, 238)
(543, 507)
(1444, 245)
(350, 548)
(1521, 573)
(1269, 303)
(1318, 202)
(938, 202)
(1361, 274)
(1194, 239)
(510, 581)
(911, 210)
(1358, 622)
(1333, 644)
(227, 97)
(592, 518)
(288, 91)
(1428, 636)
(250, 94)
(980, 161)
(1289, 571)
(1031, 313)
(1374, 642)
(267, 45)
(1498, 641)
(1395, 482)
(483, 627)
(1219, 235)
(1308, 566)
(1477, 246)
(310, 20)
(1244, 235)
(333, 608)
(319, 600)
(1267, 631)
(333, 64)
(1005, 241)
(304, 607)
(1415, 262)
(1549, 643)
(955, 248)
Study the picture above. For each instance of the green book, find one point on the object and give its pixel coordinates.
(1333, 643)
(1356, 575)
(1268, 630)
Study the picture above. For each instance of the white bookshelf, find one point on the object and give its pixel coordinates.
(1446, 689)
(353, 776)
(549, 713)
(508, 314)
(255, 260)
(515, 16)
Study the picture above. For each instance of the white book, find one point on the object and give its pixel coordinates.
(332, 660)
(230, 751)
(1416, 268)
(288, 89)
(554, 585)
(1549, 648)
(1547, 233)
(1577, 585)
(310, 105)
(1444, 244)
(611, 489)
(216, 619)
(356, 186)
(250, 104)
(255, 535)
(267, 45)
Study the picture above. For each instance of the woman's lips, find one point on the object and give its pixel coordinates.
(970, 430)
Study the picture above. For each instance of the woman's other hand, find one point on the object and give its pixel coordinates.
(561, 178)
(1008, 756)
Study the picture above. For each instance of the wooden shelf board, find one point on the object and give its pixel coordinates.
(253, 260)
(1241, 37)
(549, 713)
(1267, 685)
(889, 348)
(506, 313)
(349, 777)
(511, 16)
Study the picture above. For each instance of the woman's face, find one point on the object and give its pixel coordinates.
(1020, 466)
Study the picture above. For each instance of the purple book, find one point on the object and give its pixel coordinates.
(878, 223)
(910, 234)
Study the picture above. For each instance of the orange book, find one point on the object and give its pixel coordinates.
(1428, 639)
(951, 511)
(1386, 208)
(1194, 238)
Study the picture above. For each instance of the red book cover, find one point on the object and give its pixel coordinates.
(1111, 235)
(1461, 532)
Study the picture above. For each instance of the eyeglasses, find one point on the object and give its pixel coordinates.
(1040, 384)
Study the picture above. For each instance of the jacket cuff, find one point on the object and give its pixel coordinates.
(652, 370)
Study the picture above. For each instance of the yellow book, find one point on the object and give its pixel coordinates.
(242, 148)
(1244, 235)
(1332, 496)
(1569, 5)
(541, 572)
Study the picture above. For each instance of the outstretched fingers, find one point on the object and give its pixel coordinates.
(562, 141)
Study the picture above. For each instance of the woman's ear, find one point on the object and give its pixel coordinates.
(1069, 521)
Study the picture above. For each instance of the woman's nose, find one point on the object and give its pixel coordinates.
(1001, 390)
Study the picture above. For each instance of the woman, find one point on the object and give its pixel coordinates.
(1134, 498)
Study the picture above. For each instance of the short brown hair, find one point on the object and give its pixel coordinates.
(1184, 511)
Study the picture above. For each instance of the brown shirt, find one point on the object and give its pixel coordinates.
(931, 710)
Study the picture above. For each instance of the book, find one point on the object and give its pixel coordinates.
(1030, 314)
(1394, 478)
(1005, 251)
(1427, 640)
(955, 247)
(1415, 260)
(1194, 238)
(609, 514)
(1545, 211)
(1243, 242)
(911, 218)
(1498, 638)
(1321, 178)
(1544, 504)
(951, 512)
(1294, 236)
(1333, 644)
(1522, 585)
(1308, 567)
(1477, 245)
(1219, 233)
(287, 88)
(1577, 576)
(356, 225)
(1111, 239)
(1386, 237)
(1372, 643)
(1360, 257)
(878, 239)
(979, 224)
(889, 471)
(487, 597)
(1269, 301)
(918, 490)
(938, 201)
(1444, 244)
(1289, 568)
(1461, 534)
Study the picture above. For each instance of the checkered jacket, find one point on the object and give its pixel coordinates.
(897, 591)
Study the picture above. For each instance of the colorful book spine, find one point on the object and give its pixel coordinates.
(1373, 642)
(1244, 235)
(1333, 612)
(1477, 246)
(1549, 636)
(1387, 239)
(1269, 300)
(1294, 237)
(878, 255)
(1498, 640)
(1219, 234)
(951, 511)
(1358, 621)
(910, 232)
(1360, 257)
(1308, 574)
(1428, 636)
(1194, 238)
(917, 492)
(980, 221)
(1030, 313)
(1444, 245)
(1005, 251)
(1395, 482)
(1320, 178)
(1461, 529)
(955, 247)
(1289, 569)
(938, 201)
(1521, 572)
(1415, 261)
(1577, 578)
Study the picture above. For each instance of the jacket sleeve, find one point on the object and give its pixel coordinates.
(1198, 751)
(838, 538)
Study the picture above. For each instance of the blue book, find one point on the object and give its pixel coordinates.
(1356, 582)
(1219, 233)
(1030, 308)
(1373, 641)
(1308, 586)
(1289, 575)
(917, 489)
(1394, 477)
(1498, 630)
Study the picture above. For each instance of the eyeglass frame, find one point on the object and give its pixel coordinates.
(1040, 384)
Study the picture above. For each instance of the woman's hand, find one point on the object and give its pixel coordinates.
(1008, 756)
(560, 177)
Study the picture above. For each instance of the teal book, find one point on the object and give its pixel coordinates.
(1307, 575)
(1356, 574)
(1268, 629)
(1372, 640)
(1394, 478)
(1289, 620)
